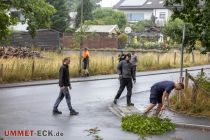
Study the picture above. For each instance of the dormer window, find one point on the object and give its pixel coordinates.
(149, 2)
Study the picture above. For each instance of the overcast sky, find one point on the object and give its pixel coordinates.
(108, 3)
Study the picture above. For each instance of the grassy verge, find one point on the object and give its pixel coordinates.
(200, 108)
(16, 70)
(144, 126)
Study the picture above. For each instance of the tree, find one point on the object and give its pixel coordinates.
(142, 25)
(88, 7)
(196, 13)
(73, 4)
(37, 14)
(173, 29)
(107, 16)
(61, 19)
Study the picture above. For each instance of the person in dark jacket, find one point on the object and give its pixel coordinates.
(126, 75)
(64, 83)
(121, 56)
(159, 94)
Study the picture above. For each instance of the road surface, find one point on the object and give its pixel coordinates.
(30, 108)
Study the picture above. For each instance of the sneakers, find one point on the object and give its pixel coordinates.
(73, 112)
(115, 101)
(130, 104)
(56, 112)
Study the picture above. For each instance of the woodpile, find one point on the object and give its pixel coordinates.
(9, 52)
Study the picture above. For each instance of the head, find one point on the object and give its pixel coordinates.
(66, 60)
(179, 86)
(132, 52)
(121, 52)
(128, 57)
(85, 49)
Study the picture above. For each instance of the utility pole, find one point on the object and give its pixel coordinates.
(182, 57)
(81, 37)
(182, 53)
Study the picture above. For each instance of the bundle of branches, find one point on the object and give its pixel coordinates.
(9, 52)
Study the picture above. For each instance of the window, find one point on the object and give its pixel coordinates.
(18, 15)
(135, 16)
(162, 15)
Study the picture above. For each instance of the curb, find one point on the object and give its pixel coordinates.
(117, 111)
(40, 83)
(15, 85)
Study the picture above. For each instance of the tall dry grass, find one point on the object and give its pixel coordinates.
(15, 69)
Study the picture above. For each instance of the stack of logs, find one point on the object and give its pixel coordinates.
(9, 52)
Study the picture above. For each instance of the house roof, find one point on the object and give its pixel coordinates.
(100, 28)
(140, 4)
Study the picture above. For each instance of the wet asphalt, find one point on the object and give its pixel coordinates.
(30, 108)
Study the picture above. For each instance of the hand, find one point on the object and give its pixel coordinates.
(164, 107)
(70, 87)
(134, 81)
(62, 88)
(120, 76)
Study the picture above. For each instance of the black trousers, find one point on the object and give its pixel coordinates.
(125, 82)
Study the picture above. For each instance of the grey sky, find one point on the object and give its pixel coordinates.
(108, 3)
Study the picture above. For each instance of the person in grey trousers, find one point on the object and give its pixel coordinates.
(126, 75)
(64, 83)
(134, 62)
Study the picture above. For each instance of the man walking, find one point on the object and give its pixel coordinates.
(134, 62)
(159, 94)
(64, 83)
(125, 75)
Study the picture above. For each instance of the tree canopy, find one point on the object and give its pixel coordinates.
(61, 19)
(88, 7)
(195, 13)
(142, 25)
(107, 16)
(37, 15)
(73, 4)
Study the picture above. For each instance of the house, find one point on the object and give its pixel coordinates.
(138, 10)
(20, 26)
(101, 29)
(98, 36)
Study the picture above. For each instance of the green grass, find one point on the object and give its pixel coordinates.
(16, 69)
(144, 126)
(186, 106)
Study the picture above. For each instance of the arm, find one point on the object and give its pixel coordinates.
(119, 68)
(165, 99)
(133, 75)
(61, 77)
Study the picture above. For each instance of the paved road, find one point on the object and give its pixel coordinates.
(30, 108)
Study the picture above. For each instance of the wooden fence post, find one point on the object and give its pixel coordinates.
(202, 72)
(33, 68)
(209, 57)
(174, 58)
(186, 80)
(158, 58)
(193, 58)
(194, 94)
(1, 73)
(113, 62)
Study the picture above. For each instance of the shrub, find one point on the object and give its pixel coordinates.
(144, 126)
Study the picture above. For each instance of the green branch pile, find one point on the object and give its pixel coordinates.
(144, 126)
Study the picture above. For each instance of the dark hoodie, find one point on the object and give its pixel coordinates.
(64, 76)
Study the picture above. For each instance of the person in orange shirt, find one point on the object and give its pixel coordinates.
(85, 60)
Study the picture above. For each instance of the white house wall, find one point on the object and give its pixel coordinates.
(147, 13)
(160, 21)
